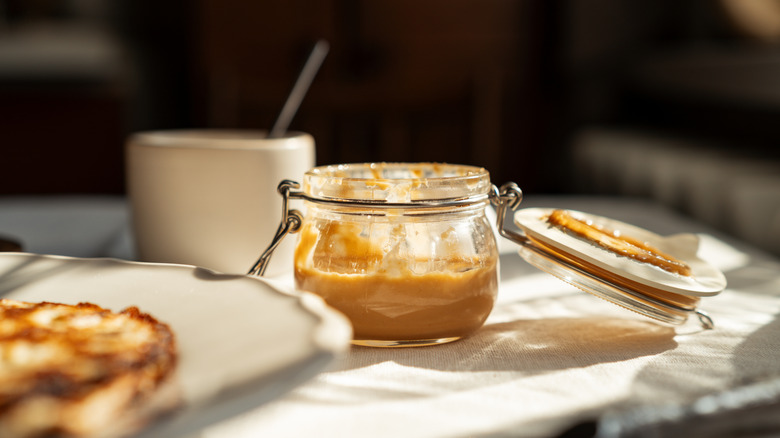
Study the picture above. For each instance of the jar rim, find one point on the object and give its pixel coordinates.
(397, 183)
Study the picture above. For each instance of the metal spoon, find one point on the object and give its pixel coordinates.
(305, 79)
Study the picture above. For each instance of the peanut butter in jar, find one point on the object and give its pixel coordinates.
(405, 251)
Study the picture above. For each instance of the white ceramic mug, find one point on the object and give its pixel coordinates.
(208, 197)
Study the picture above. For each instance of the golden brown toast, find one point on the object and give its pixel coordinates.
(81, 370)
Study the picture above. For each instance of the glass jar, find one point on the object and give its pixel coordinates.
(405, 251)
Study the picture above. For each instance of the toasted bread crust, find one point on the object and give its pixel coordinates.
(77, 370)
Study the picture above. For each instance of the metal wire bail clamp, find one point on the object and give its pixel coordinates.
(290, 224)
(508, 197)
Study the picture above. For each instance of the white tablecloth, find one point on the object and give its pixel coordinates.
(549, 359)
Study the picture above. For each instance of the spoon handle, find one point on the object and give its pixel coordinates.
(300, 88)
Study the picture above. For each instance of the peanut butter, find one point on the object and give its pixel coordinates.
(404, 250)
(619, 244)
(388, 295)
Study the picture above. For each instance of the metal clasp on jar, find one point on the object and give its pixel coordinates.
(291, 223)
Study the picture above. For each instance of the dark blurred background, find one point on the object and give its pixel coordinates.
(656, 98)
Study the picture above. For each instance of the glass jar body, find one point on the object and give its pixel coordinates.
(403, 277)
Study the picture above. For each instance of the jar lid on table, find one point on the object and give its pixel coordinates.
(661, 277)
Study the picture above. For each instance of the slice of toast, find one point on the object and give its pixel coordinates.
(81, 370)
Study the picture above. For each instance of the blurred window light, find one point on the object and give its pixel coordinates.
(758, 19)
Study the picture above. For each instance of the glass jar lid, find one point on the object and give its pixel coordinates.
(657, 276)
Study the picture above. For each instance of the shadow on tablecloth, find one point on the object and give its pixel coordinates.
(531, 346)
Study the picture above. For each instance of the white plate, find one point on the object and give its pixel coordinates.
(706, 280)
(241, 341)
